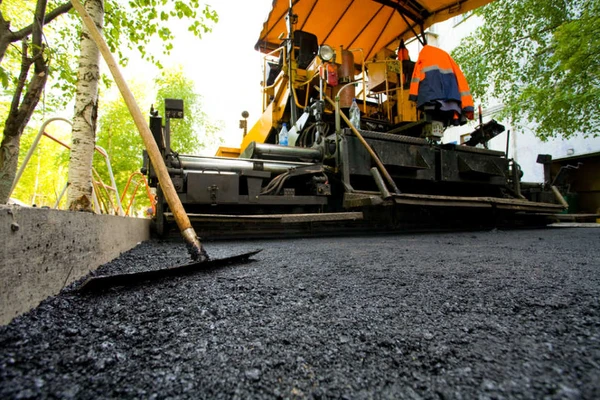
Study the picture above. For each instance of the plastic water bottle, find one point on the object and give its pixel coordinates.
(283, 135)
(355, 114)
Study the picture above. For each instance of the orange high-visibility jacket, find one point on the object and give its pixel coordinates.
(403, 54)
(437, 77)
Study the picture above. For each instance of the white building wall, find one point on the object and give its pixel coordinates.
(524, 145)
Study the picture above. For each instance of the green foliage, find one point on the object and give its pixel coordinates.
(16, 12)
(60, 47)
(3, 77)
(542, 60)
(140, 26)
(118, 135)
(196, 131)
(138, 23)
(62, 53)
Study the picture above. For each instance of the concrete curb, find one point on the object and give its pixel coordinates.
(44, 250)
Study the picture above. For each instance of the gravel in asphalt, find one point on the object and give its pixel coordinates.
(471, 315)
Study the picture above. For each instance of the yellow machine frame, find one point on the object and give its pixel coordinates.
(371, 29)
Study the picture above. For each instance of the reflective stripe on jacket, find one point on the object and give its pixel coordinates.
(437, 77)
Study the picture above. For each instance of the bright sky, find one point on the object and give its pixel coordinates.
(226, 68)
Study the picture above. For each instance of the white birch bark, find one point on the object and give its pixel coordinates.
(86, 112)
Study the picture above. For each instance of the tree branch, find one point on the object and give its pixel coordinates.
(52, 15)
(7, 36)
(25, 64)
(37, 35)
(19, 114)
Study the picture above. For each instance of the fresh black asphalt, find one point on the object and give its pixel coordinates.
(471, 315)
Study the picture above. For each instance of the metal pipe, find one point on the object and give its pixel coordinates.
(167, 135)
(98, 202)
(104, 154)
(97, 208)
(338, 131)
(387, 89)
(112, 178)
(148, 193)
(559, 197)
(385, 193)
(291, 59)
(400, 95)
(362, 140)
(265, 88)
(363, 78)
(234, 164)
(267, 151)
(485, 143)
(338, 124)
(60, 196)
(346, 85)
(295, 97)
(106, 189)
(35, 143)
(32, 149)
(320, 87)
(410, 26)
(515, 179)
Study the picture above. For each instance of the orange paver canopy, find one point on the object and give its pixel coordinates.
(370, 25)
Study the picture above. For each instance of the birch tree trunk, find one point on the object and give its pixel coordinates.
(86, 114)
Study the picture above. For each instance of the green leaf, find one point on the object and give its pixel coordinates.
(3, 78)
(542, 60)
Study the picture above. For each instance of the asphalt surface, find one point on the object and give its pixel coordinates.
(483, 315)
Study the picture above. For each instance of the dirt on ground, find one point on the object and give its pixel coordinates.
(475, 315)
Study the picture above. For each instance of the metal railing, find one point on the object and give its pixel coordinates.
(100, 150)
(143, 180)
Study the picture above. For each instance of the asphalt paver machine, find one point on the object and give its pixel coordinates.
(391, 171)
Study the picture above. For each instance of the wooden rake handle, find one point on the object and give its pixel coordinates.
(183, 222)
